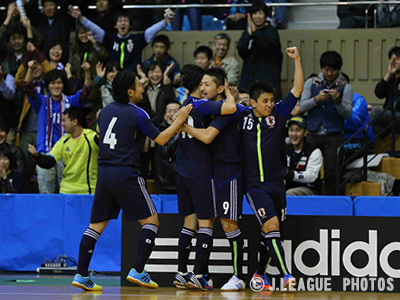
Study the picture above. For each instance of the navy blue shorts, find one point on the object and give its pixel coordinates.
(118, 187)
(267, 199)
(196, 195)
(229, 188)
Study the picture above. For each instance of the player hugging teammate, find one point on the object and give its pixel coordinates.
(211, 183)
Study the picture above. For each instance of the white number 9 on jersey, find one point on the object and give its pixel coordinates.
(109, 137)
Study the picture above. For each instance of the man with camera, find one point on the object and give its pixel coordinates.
(329, 101)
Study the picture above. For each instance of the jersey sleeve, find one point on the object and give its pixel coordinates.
(221, 122)
(57, 151)
(208, 107)
(286, 105)
(146, 126)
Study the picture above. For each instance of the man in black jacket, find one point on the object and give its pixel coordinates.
(389, 88)
(303, 160)
(164, 156)
(19, 162)
(260, 48)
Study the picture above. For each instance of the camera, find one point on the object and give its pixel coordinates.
(168, 13)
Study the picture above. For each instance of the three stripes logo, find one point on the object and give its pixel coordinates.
(164, 258)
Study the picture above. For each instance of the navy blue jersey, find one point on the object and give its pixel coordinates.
(226, 147)
(127, 51)
(193, 159)
(261, 141)
(123, 129)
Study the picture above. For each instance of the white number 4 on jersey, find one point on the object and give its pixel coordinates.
(109, 137)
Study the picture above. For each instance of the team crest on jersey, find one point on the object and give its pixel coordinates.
(130, 45)
(270, 120)
(261, 212)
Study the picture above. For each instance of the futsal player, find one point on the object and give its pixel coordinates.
(122, 130)
(264, 172)
(195, 184)
(226, 153)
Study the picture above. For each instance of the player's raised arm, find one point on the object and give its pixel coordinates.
(298, 84)
(168, 133)
(229, 106)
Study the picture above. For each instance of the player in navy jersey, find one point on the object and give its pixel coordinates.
(123, 128)
(195, 183)
(264, 172)
(224, 136)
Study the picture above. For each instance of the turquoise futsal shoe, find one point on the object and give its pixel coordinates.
(143, 279)
(86, 283)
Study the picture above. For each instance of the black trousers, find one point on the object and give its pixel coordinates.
(328, 144)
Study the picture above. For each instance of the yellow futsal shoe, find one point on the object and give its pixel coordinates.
(143, 279)
(86, 283)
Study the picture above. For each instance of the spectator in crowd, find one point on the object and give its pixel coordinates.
(79, 152)
(260, 48)
(164, 156)
(28, 119)
(7, 92)
(161, 46)
(159, 89)
(123, 46)
(303, 160)
(358, 120)
(236, 19)
(56, 55)
(85, 48)
(11, 181)
(280, 14)
(194, 15)
(221, 45)
(328, 101)
(353, 16)
(53, 23)
(107, 95)
(244, 97)
(389, 88)
(18, 162)
(104, 13)
(49, 110)
(203, 57)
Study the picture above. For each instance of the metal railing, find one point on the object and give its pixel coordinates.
(364, 149)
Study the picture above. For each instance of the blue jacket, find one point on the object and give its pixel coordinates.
(359, 119)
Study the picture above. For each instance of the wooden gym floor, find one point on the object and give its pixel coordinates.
(40, 287)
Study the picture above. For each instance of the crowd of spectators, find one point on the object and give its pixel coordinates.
(50, 92)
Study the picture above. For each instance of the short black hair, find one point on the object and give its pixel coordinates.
(331, 59)
(6, 151)
(259, 87)
(218, 75)
(16, 28)
(170, 102)
(110, 65)
(55, 42)
(54, 75)
(258, 5)
(161, 38)
(244, 91)
(395, 51)
(192, 76)
(122, 14)
(122, 82)
(75, 113)
(152, 66)
(203, 49)
(55, 1)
